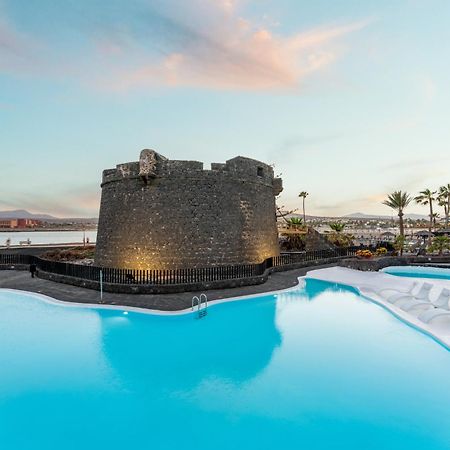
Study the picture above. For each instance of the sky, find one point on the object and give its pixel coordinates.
(348, 99)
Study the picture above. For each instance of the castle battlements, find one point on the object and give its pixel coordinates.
(240, 168)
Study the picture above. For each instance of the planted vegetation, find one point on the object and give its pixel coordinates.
(70, 254)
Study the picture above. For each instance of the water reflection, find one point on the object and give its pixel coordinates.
(179, 352)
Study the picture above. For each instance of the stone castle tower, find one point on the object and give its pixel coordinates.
(161, 214)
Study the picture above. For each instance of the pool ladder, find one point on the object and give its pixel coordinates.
(201, 303)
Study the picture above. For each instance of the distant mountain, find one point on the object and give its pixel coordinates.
(417, 216)
(359, 215)
(23, 214)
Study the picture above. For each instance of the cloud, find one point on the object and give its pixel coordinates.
(206, 44)
(234, 53)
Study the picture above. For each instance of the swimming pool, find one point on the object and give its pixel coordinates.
(314, 368)
(418, 272)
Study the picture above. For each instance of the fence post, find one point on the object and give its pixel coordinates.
(101, 285)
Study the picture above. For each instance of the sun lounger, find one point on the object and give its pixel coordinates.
(443, 300)
(430, 314)
(407, 304)
(388, 292)
(422, 294)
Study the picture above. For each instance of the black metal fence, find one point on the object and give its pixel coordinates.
(287, 259)
(173, 276)
(13, 259)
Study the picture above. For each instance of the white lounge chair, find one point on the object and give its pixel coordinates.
(430, 314)
(422, 294)
(443, 300)
(408, 304)
(387, 292)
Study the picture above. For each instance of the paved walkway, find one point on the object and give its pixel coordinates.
(165, 302)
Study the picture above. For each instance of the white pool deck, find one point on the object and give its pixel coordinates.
(367, 283)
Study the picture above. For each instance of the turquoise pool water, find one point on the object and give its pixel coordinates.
(418, 271)
(319, 368)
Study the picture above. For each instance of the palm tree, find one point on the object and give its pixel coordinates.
(303, 195)
(295, 222)
(339, 238)
(444, 201)
(337, 226)
(435, 218)
(295, 238)
(426, 197)
(399, 200)
(439, 244)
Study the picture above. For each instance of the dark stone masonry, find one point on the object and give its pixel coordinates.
(162, 214)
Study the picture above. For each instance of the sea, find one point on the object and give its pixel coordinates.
(46, 237)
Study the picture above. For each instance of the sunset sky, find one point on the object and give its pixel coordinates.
(349, 99)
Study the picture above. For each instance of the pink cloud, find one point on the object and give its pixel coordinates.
(206, 45)
(234, 53)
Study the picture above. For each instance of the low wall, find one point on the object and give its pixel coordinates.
(376, 264)
(182, 287)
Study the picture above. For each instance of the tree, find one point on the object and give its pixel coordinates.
(282, 213)
(303, 195)
(426, 197)
(399, 200)
(295, 235)
(439, 244)
(444, 201)
(435, 218)
(399, 244)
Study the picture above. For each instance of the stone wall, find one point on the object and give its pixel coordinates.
(316, 241)
(182, 216)
(375, 264)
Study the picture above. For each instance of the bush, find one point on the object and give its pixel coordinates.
(70, 254)
(439, 244)
(380, 251)
(340, 239)
(364, 254)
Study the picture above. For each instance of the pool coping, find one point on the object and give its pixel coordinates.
(153, 312)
